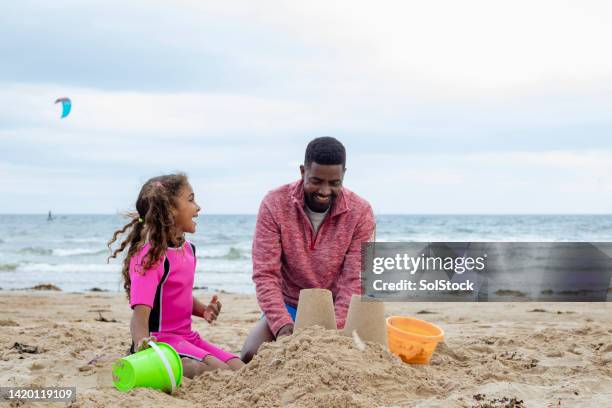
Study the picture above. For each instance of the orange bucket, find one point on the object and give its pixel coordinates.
(412, 340)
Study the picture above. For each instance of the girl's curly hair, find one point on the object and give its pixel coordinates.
(152, 222)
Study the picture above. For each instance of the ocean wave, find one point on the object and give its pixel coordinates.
(78, 251)
(232, 254)
(63, 252)
(84, 240)
(8, 267)
(214, 279)
(35, 251)
(463, 230)
(62, 268)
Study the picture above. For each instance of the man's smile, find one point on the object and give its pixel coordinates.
(322, 199)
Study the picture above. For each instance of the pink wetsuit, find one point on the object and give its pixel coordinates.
(167, 289)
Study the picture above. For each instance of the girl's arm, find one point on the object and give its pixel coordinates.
(139, 326)
(198, 308)
(210, 312)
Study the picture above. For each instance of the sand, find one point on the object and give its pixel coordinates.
(495, 355)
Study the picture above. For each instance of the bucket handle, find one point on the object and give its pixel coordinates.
(166, 364)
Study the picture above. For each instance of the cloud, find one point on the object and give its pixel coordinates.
(482, 183)
(511, 182)
(126, 116)
(479, 107)
(439, 49)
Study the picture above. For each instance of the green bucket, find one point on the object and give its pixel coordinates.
(158, 366)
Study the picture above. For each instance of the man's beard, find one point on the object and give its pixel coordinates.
(316, 206)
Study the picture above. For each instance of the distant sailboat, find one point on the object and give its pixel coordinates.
(50, 217)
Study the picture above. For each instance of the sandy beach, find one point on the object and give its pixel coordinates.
(494, 355)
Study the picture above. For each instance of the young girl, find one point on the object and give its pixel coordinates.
(158, 274)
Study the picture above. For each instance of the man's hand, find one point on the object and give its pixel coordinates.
(286, 330)
(211, 312)
(144, 343)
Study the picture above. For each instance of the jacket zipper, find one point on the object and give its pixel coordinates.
(316, 237)
(312, 232)
(313, 241)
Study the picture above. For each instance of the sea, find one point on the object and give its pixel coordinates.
(70, 251)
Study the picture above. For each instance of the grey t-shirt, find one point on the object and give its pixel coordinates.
(315, 218)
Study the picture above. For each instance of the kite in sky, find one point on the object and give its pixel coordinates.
(66, 106)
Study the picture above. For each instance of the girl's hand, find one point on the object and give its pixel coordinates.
(144, 343)
(211, 312)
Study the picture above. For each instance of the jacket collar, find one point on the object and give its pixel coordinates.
(339, 206)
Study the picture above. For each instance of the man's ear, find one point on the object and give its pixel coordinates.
(302, 170)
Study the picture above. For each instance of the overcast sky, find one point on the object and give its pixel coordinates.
(444, 106)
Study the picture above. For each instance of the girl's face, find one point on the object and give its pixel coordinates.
(186, 210)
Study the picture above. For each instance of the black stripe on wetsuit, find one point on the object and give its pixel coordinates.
(155, 316)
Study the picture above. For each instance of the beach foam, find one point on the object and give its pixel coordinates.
(78, 251)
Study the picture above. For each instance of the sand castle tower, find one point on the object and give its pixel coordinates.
(368, 319)
(315, 307)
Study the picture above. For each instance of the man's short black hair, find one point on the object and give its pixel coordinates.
(325, 150)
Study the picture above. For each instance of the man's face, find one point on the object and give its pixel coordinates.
(322, 184)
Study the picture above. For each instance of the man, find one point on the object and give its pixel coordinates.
(308, 235)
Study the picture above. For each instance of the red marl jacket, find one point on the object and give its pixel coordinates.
(288, 256)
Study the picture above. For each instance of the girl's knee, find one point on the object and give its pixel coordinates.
(235, 363)
(192, 368)
(214, 363)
